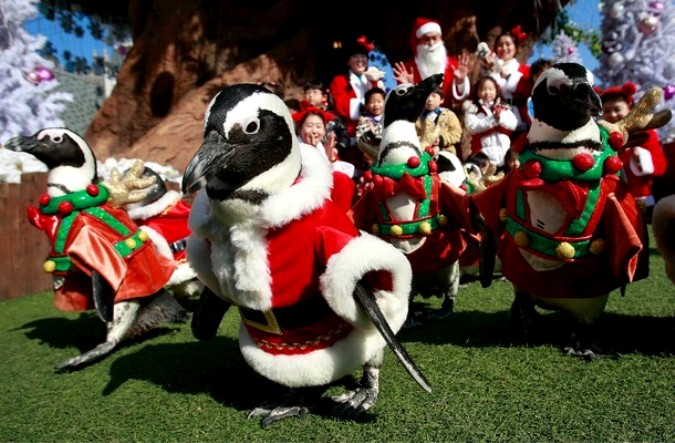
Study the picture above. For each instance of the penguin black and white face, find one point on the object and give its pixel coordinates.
(250, 149)
(402, 106)
(71, 162)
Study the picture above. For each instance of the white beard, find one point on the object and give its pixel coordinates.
(431, 59)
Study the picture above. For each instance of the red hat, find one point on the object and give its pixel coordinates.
(626, 91)
(423, 26)
(325, 115)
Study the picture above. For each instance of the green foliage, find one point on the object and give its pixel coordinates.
(590, 38)
(172, 388)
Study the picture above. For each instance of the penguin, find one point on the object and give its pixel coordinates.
(99, 259)
(564, 225)
(409, 205)
(317, 298)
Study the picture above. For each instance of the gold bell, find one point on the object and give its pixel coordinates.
(49, 266)
(502, 215)
(375, 229)
(396, 230)
(143, 236)
(521, 239)
(442, 220)
(425, 228)
(130, 242)
(597, 246)
(565, 250)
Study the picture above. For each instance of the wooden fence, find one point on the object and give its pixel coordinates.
(24, 247)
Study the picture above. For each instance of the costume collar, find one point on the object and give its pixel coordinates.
(396, 171)
(93, 195)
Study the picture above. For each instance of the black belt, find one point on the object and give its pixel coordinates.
(178, 245)
(303, 313)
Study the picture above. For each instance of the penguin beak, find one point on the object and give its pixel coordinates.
(585, 100)
(211, 158)
(22, 143)
(430, 83)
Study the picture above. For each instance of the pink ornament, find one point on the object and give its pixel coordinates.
(657, 6)
(122, 50)
(570, 51)
(669, 91)
(33, 77)
(45, 74)
(648, 25)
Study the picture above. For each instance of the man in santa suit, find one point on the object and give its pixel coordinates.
(430, 56)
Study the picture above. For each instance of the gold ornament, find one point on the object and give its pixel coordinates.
(130, 242)
(597, 246)
(502, 215)
(565, 250)
(49, 266)
(143, 236)
(375, 229)
(396, 230)
(521, 239)
(425, 228)
(442, 220)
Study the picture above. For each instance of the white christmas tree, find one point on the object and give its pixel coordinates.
(638, 45)
(565, 49)
(27, 100)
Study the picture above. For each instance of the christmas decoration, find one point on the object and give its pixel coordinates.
(27, 100)
(638, 45)
(565, 49)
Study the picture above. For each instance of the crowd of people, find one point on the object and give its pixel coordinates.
(485, 123)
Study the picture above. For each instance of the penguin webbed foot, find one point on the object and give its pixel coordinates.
(445, 311)
(582, 345)
(355, 402)
(89, 357)
(296, 403)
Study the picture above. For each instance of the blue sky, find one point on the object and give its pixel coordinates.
(585, 13)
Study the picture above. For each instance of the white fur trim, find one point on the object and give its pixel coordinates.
(644, 164)
(428, 27)
(144, 212)
(183, 273)
(344, 270)
(159, 241)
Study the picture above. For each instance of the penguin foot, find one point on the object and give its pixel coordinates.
(523, 316)
(412, 321)
(581, 346)
(445, 311)
(88, 357)
(353, 403)
(297, 403)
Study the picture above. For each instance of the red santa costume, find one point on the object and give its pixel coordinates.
(166, 222)
(291, 269)
(86, 235)
(425, 62)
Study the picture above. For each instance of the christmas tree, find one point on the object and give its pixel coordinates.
(565, 49)
(27, 100)
(638, 45)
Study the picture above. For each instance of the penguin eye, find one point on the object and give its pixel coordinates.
(56, 138)
(252, 126)
(558, 85)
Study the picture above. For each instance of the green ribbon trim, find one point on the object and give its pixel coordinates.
(546, 245)
(410, 227)
(397, 171)
(79, 199)
(63, 264)
(553, 170)
(124, 249)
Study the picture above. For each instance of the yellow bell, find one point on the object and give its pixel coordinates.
(49, 266)
(521, 239)
(130, 242)
(442, 220)
(565, 250)
(597, 246)
(502, 215)
(375, 229)
(143, 236)
(396, 230)
(425, 228)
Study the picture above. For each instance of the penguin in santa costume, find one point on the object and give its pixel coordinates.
(318, 299)
(98, 257)
(568, 230)
(409, 205)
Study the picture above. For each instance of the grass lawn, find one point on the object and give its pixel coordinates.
(172, 388)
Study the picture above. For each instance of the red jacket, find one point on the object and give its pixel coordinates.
(450, 91)
(640, 181)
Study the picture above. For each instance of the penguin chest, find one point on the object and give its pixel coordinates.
(547, 214)
(403, 209)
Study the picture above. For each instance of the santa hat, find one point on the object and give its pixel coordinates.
(626, 91)
(423, 26)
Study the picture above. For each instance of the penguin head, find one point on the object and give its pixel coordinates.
(450, 168)
(250, 149)
(70, 160)
(563, 97)
(402, 106)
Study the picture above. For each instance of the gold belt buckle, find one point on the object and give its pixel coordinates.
(272, 325)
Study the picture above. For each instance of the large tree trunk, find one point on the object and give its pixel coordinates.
(185, 51)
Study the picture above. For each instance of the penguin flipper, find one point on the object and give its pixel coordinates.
(104, 296)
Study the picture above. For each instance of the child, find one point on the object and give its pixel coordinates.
(511, 161)
(437, 126)
(369, 128)
(640, 163)
(315, 96)
(490, 122)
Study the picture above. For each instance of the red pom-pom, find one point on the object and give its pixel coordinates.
(583, 162)
(414, 162)
(65, 208)
(368, 176)
(612, 165)
(532, 169)
(377, 180)
(45, 199)
(616, 140)
(433, 166)
(92, 190)
(430, 150)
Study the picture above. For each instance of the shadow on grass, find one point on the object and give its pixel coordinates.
(623, 334)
